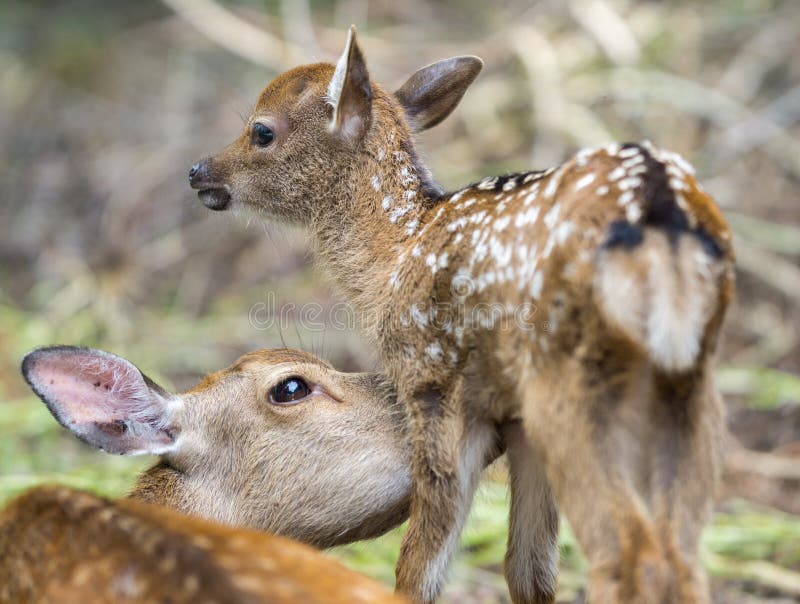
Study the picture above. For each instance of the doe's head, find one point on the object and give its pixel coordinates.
(279, 441)
(315, 125)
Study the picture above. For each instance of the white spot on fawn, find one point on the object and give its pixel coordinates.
(434, 351)
(529, 216)
(552, 185)
(678, 185)
(625, 198)
(616, 174)
(487, 183)
(633, 212)
(585, 181)
(419, 317)
(563, 232)
(551, 216)
(536, 285)
(629, 152)
(630, 183)
(632, 161)
(501, 223)
(398, 213)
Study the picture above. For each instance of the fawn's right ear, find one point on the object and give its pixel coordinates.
(103, 399)
(350, 93)
(431, 93)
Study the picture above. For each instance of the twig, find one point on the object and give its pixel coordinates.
(759, 571)
(769, 268)
(232, 33)
(609, 30)
(742, 460)
(770, 236)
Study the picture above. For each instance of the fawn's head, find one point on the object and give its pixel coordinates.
(278, 441)
(316, 126)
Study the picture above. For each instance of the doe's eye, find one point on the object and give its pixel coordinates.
(262, 135)
(290, 390)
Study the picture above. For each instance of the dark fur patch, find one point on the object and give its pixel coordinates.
(623, 234)
(710, 245)
(661, 209)
(429, 399)
(500, 181)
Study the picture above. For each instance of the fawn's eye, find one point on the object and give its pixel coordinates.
(290, 390)
(262, 135)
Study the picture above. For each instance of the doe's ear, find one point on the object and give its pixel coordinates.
(350, 93)
(433, 92)
(103, 399)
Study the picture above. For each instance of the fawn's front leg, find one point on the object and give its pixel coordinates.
(449, 454)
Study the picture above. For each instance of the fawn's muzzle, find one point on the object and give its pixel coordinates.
(215, 195)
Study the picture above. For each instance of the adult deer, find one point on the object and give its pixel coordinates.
(67, 546)
(585, 300)
(279, 441)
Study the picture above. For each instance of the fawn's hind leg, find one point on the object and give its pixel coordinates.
(594, 431)
(531, 566)
(685, 473)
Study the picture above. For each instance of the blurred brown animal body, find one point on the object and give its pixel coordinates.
(67, 546)
(583, 302)
(279, 441)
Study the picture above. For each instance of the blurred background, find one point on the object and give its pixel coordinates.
(104, 105)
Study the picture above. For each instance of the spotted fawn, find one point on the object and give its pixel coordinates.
(575, 309)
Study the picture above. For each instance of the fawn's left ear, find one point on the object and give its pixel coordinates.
(103, 399)
(433, 92)
(350, 93)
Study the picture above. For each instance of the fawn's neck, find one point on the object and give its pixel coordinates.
(384, 203)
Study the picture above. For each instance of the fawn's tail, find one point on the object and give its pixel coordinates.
(662, 282)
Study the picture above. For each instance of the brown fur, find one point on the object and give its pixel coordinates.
(623, 267)
(66, 546)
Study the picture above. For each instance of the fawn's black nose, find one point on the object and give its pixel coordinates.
(203, 176)
(198, 172)
(211, 190)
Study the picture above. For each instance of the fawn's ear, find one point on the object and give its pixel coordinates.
(433, 92)
(103, 399)
(350, 93)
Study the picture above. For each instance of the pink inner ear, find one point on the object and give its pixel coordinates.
(86, 387)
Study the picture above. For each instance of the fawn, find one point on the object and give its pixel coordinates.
(66, 546)
(584, 301)
(279, 441)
